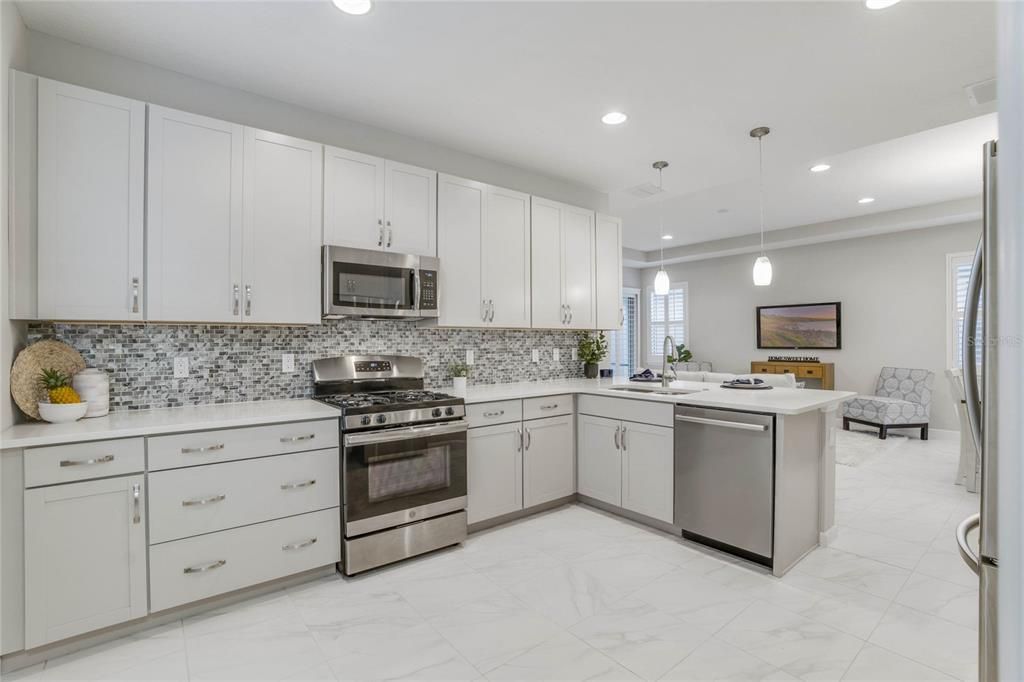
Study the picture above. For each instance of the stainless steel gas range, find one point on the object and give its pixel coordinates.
(403, 468)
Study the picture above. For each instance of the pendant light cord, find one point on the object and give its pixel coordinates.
(661, 223)
(760, 185)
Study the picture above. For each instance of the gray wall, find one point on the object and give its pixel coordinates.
(893, 291)
(65, 61)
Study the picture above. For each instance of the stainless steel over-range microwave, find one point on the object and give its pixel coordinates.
(368, 283)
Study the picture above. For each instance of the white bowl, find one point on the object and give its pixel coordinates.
(56, 413)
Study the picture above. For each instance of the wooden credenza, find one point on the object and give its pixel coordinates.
(817, 374)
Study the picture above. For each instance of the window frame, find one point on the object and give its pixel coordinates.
(953, 314)
(637, 331)
(655, 360)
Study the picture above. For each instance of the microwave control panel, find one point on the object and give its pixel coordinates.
(428, 290)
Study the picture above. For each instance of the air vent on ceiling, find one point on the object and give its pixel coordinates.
(648, 189)
(982, 92)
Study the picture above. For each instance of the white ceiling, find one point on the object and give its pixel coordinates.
(526, 83)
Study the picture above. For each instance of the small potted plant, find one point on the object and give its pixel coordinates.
(459, 372)
(592, 348)
(682, 354)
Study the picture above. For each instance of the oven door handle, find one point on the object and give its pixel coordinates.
(391, 435)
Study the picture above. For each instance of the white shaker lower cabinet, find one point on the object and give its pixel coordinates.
(599, 460)
(495, 471)
(549, 471)
(648, 470)
(85, 557)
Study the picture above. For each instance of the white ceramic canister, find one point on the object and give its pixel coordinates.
(93, 386)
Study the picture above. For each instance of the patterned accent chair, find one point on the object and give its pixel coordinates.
(902, 400)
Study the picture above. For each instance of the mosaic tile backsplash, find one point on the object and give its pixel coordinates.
(235, 363)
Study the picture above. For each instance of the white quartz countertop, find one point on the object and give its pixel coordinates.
(168, 420)
(785, 401)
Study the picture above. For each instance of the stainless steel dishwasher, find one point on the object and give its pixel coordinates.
(725, 479)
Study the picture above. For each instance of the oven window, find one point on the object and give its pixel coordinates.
(408, 473)
(372, 286)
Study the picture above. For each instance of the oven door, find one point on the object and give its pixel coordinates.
(364, 283)
(397, 476)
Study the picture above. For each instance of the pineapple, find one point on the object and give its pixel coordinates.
(58, 387)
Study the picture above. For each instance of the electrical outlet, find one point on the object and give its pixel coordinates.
(555, 355)
(536, 355)
(574, 356)
(469, 357)
(288, 362)
(180, 368)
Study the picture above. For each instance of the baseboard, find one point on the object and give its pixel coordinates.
(827, 537)
(944, 434)
(521, 514)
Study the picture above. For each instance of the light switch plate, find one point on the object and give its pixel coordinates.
(555, 355)
(288, 362)
(469, 357)
(536, 355)
(180, 368)
(574, 354)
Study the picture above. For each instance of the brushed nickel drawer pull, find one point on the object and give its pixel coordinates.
(552, 406)
(298, 545)
(206, 567)
(203, 501)
(85, 462)
(136, 493)
(293, 486)
(198, 451)
(293, 439)
(494, 414)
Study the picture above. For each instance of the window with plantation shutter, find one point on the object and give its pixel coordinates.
(959, 275)
(624, 344)
(667, 315)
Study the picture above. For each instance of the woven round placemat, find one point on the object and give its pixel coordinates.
(31, 361)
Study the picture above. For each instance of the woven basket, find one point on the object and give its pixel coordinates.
(31, 361)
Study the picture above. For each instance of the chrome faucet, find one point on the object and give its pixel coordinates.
(667, 348)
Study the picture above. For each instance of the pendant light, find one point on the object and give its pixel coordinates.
(762, 266)
(661, 283)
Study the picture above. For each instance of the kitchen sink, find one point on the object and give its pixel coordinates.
(656, 390)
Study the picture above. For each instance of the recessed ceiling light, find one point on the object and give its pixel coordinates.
(666, 236)
(865, 200)
(820, 168)
(879, 4)
(614, 118)
(353, 6)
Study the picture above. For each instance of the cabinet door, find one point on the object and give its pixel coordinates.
(495, 471)
(598, 459)
(506, 257)
(578, 265)
(193, 218)
(647, 470)
(460, 213)
(410, 209)
(91, 169)
(548, 460)
(608, 272)
(546, 264)
(281, 242)
(85, 557)
(353, 199)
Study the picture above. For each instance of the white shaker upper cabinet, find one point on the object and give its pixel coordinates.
(353, 199)
(91, 174)
(505, 255)
(410, 209)
(562, 252)
(547, 301)
(194, 218)
(608, 272)
(578, 266)
(460, 219)
(281, 235)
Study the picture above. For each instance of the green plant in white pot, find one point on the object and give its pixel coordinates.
(459, 372)
(592, 348)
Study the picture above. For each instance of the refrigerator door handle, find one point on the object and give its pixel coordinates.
(968, 350)
(966, 553)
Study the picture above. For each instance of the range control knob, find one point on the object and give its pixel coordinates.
(365, 420)
(436, 412)
(381, 418)
(450, 411)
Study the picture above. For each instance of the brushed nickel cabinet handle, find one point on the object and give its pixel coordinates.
(494, 414)
(622, 439)
(248, 300)
(86, 462)
(519, 435)
(294, 439)
(616, 437)
(237, 300)
(294, 486)
(491, 304)
(199, 451)
(390, 234)
(380, 232)
(529, 439)
(298, 545)
(135, 294)
(483, 310)
(205, 567)
(203, 501)
(552, 406)
(136, 512)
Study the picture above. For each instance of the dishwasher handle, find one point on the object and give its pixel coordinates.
(743, 426)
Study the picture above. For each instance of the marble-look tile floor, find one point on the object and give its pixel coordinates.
(578, 594)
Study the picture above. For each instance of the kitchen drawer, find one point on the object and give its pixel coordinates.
(225, 445)
(487, 414)
(548, 406)
(81, 461)
(207, 565)
(810, 372)
(643, 411)
(761, 369)
(195, 500)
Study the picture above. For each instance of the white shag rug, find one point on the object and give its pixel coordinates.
(853, 448)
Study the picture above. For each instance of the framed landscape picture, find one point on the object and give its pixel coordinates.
(805, 325)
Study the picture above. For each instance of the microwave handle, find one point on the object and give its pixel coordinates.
(416, 289)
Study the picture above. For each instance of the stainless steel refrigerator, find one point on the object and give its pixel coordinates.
(981, 374)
